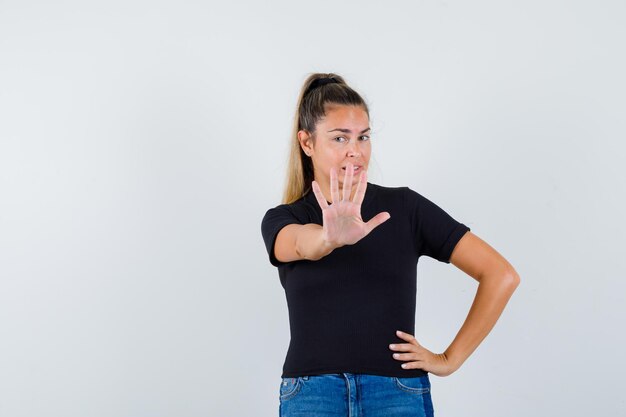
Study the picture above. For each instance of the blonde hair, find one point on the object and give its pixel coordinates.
(311, 107)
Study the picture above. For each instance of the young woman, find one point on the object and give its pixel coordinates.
(347, 253)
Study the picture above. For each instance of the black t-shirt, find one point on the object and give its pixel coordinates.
(345, 308)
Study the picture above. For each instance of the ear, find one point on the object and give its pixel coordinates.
(306, 142)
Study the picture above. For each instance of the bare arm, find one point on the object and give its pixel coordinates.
(297, 241)
(497, 282)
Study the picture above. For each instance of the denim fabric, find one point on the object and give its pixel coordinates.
(355, 395)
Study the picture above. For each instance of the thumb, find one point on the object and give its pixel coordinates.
(377, 220)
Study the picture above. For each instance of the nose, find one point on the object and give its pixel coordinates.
(354, 151)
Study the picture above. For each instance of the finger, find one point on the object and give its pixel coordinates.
(377, 220)
(319, 196)
(405, 336)
(405, 356)
(402, 347)
(413, 365)
(408, 337)
(334, 186)
(347, 181)
(359, 194)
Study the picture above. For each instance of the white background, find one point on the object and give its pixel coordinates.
(141, 142)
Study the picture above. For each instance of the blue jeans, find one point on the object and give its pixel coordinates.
(355, 395)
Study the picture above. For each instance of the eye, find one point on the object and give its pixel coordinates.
(365, 137)
(339, 139)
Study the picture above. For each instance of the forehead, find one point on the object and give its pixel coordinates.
(343, 116)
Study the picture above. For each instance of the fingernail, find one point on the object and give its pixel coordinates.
(392, 346)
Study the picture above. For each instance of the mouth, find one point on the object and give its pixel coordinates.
(357, 168)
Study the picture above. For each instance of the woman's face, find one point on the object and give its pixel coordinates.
(341, 136)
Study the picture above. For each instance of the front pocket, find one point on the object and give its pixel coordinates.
(417, 385)
(289, 387)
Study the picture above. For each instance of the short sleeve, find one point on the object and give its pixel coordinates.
(273, 221)
(437, 232)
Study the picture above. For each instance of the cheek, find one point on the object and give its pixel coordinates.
(333, 157)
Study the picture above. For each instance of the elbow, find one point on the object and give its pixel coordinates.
(507, 280)
(512, 279)
(506, 277)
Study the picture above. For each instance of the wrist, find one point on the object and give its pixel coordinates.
(312, 245)
(328, 246)
(454, 360)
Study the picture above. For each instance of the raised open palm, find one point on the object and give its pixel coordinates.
(342, 222)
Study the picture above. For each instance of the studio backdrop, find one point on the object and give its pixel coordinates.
(142, 142)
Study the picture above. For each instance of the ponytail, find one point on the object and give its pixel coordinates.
(319, 90)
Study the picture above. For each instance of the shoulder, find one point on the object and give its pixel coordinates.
(399, 195)
(404, 198)
(285, 208)
(300, 211)
(386, 191)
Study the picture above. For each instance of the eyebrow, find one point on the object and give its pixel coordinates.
(348, 130)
